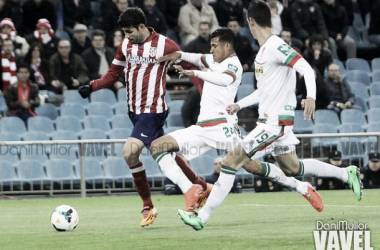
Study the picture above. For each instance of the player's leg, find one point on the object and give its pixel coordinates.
(132, 150)
(195, 179)
(147, 127)
(272, 172)
(350, 175)
(236, 158)
(161, 149)
(230, 165)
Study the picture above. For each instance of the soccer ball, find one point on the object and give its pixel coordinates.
(64, 218)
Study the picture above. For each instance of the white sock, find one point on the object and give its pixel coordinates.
(171, 170)
(275, 174)
(322, 169)
(219, 192)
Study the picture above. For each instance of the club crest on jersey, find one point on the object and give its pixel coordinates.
(232, 68)
(153, 52)
(285, 49)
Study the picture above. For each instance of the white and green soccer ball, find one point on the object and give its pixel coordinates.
(64, 218)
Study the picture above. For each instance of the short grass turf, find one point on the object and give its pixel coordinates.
(282, 220)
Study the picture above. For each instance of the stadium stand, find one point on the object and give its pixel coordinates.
(174, 119)
(9, 180)
(121, 108)
(100, 108)
(301, 126)
(41, 124)
(32, 175)
(93, 133)
(122, 95)
(104, 95)
(353, 116)
(374, 102)
(117, 169)
(73, 109)
(95, 177)
(374, 88)
(12, 124)
(121, 121)
(358, 64)
(48, 110)
(70, 123)
(175, 106)
(61, 172)
(98, 122)
(358, 76)
(326, 116)
(203, 165)
(72, 96)
(244, 90)
(359, 90)
(248, 78)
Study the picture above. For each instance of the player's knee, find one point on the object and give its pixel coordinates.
(290, 169)
(131, 158)
(154, 147)
(232, 162)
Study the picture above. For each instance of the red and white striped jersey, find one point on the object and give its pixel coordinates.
(145, 79)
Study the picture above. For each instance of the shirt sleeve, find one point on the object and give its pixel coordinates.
(216, 78)
(193, 58)
(304, 68)
(249, 100)
(287, 55)
(113, 73)
(293, 59)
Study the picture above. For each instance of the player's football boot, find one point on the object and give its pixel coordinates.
(191, 219)
(314, 198)
(148, 216)
(354, 181)
(191, 197)
(202, 200)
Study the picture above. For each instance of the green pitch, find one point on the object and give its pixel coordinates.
(282, 220)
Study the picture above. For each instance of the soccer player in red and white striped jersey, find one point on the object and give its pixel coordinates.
(145, 90)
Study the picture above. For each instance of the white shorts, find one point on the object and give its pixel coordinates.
(265, 139)
(196, 140)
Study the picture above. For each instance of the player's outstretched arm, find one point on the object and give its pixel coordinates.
(172, 58)
(249, 100)
(308, 104)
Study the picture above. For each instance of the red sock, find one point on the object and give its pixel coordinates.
(190, 174)
(142, 185)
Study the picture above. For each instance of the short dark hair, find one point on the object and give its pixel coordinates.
(316, 38)
(285, 30)
(98, 32)
(259, 11)
(22, 65)
(28, 57)
(225, 35)
(204, 23)
(132, 17)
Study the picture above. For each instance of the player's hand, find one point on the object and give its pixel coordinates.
(308, 105)
(183, 72)
(232, 108)
(172, 57)
(85, 90)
